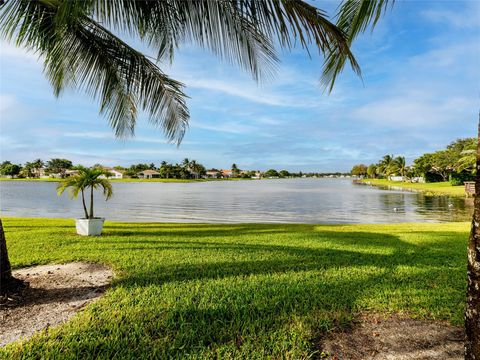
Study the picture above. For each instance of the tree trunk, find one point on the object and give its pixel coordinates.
(5, 269)
(472, 310)
(84, 205)
(8, 284)
(91, 202)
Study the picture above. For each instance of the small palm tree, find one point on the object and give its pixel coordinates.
(86, 178)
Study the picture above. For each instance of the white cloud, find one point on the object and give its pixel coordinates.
(413, 110)
(452, 56)
(7, 101)
(225, 127)
(459, 18)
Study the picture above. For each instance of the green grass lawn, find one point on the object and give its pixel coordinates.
(439, 188)
(203, 291)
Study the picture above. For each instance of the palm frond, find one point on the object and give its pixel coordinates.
(353, 17)
(80, 51)
(240, 31)
(86, 55)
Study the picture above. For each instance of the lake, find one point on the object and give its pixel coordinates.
(257, 201)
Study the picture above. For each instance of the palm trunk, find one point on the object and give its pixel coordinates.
(8, 284)
(84, 205)
(5, 269)
(472, 310)
(91, 202)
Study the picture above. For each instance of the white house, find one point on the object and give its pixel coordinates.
(148, 174)
(116, 174)
(212, 174)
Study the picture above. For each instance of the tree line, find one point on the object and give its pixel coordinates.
(186, 169)
(455, 163)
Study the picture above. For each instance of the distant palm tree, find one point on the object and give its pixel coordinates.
(235, 170)
(400, 166)
(386, 166)
(84, 180)
(37, 165)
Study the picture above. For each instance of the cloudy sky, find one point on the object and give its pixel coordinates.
(420, 91)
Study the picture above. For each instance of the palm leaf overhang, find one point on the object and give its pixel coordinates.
(353, 18)
(81, 48)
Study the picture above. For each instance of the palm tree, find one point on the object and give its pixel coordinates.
(235, 170)
(85, 179)
(78, 44)
(386, 166)
(400, 165)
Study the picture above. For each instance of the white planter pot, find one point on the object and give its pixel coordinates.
(89, 227)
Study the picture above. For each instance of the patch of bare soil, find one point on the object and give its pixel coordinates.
(55, 293)
(394, 338)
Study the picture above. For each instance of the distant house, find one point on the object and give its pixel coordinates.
(226, 173)
(115, 174)
(148, 174)
(258, 175)
(417, 179)
(71, 173)
(39, 173)
(212, 174)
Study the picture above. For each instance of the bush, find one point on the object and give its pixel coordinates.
(432, 177)
(460, 178)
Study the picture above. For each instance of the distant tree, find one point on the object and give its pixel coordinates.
(386, 166)
(467, 162)
(9, 169)
(152, 166)
(359, 170)
(400, 166)
(372, 171)
(235, 170)
(271, 173)
(283, 173)
(460, 145)
(423, 164)
(28, 170)
(136, 168)
(37, 165)
(166, 170)
(197, 169)
(444, 163)
(58, 166)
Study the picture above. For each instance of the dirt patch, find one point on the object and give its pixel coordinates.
(394, 338)
(55, 293)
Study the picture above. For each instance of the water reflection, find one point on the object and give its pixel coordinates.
(285, 200)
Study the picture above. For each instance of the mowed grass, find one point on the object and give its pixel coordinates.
(203, 291)
(439, 188)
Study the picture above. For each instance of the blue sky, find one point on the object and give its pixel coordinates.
(420, 91)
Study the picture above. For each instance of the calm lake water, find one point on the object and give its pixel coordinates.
(264, 201)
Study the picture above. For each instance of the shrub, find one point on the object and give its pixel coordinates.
(459, 178)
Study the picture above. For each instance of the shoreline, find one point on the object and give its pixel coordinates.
(129, 180)
(430, 189)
